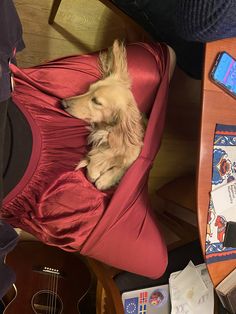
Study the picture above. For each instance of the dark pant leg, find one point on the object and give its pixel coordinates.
(177, 260)
(157, 17)
(3, 118)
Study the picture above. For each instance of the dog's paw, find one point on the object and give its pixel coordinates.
(106, 181)
(102, 184)
(110, 178)
(92, 179)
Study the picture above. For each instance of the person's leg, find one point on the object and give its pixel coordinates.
(3, 117)
(178, 260)
(206, 20)
(157, 17)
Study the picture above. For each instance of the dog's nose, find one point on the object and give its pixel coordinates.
(64, 104)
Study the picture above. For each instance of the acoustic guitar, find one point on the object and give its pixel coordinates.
(48, 280)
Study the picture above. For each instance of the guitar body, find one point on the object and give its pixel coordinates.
(48, 280)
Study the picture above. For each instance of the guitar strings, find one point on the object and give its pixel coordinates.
(51, 305)
(48, 294)
(55, 293)
(52, 293)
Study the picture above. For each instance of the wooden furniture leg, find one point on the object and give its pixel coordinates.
(53, 12)
(108, 298)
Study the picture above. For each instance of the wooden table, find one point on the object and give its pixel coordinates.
(217, 107)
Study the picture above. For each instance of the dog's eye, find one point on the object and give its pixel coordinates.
(95, 101)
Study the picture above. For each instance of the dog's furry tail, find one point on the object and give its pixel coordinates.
(83, 163)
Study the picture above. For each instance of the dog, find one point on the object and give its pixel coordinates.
(116, 124)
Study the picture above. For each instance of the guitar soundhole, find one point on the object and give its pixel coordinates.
(44, 302)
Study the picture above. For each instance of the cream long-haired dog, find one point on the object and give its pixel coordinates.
(117, 128)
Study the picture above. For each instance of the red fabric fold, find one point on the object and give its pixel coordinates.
(59, 205)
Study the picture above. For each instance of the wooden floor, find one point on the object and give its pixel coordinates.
(83, 26)
(80, 26)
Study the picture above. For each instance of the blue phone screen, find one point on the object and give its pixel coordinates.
(225, 72)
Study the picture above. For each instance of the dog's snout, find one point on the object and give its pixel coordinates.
(65, 104)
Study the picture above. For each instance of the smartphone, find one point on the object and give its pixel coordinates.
(224, 73)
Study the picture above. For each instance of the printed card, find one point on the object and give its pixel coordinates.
(224, 197)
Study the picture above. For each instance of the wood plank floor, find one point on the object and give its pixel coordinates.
(80, 26)
(83, 26)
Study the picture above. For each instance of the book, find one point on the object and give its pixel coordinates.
(226, 291)
(147, 301)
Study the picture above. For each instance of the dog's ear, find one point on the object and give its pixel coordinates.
(114, 62)
(129, 128)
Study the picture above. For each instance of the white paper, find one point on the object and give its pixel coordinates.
(224, 197)
(181, 304)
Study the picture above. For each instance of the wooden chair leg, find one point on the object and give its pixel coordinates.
(53, 12)
(108, 298)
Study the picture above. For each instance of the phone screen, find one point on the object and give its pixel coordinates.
(224, 72)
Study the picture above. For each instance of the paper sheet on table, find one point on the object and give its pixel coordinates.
(224, 198)
(191, 291)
